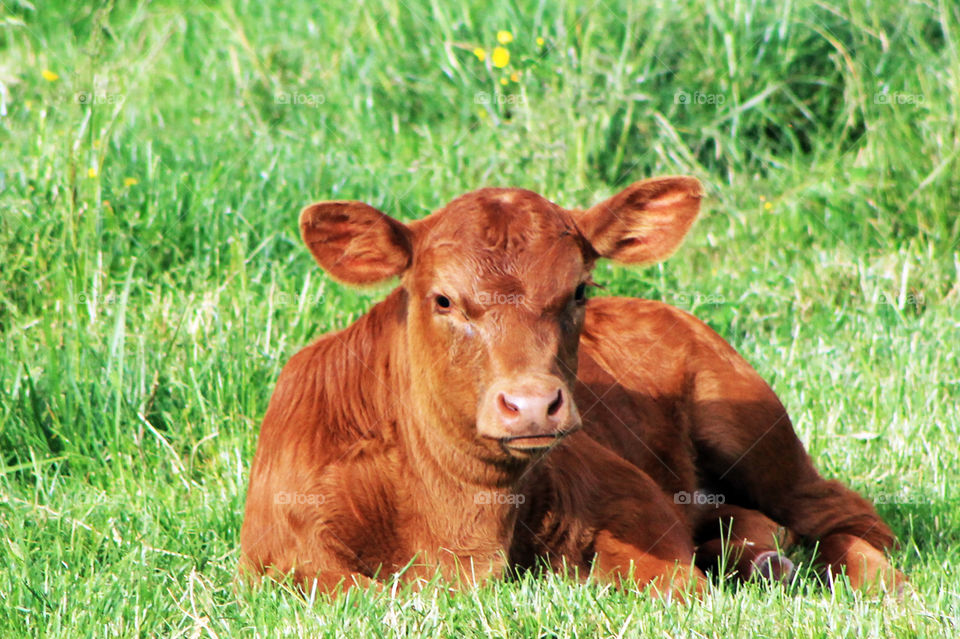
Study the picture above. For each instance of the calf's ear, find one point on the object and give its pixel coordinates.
(354, 242)
(645, 222)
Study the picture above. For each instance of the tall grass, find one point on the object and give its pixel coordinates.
(153, 156)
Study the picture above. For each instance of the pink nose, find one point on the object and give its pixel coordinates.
(536, 409)
(533, 413)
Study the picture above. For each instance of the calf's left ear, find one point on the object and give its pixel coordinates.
(645, 222)
(354, 242)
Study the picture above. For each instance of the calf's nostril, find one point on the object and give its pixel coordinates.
(556, 404)
(507, 406)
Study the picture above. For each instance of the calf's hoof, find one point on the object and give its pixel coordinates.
(771, 566)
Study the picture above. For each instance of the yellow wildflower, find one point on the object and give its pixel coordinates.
(503, 81)
(515, 76)
(501, 57)
(504, 37)
(130, 181)
(480, 53)
(768, 205)
(49, 75)
(540, 42)
(92, 172)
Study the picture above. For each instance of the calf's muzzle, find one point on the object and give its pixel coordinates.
(530, 413)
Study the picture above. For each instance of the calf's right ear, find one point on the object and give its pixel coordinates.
(354, 242)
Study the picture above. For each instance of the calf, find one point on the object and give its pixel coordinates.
(488, 414)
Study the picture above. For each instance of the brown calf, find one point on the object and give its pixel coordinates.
(417, 437)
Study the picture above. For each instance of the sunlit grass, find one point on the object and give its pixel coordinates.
(153, 158)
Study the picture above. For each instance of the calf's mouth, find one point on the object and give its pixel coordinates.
(537, 444)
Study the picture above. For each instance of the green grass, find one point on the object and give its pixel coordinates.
(152, 282)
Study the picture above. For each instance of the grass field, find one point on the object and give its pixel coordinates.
(154, 156)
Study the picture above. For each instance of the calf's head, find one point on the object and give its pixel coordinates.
(495, 287)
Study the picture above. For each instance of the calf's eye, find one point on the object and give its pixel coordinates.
(443, 303)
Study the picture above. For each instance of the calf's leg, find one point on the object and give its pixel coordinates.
(617, 559)
(865, 566)
(745, 440)
(746, 543)
(603, 509)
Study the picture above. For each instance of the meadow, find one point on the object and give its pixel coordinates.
(154, 156)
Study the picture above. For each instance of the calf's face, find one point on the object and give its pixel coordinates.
(496, 286)
(497, 299)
